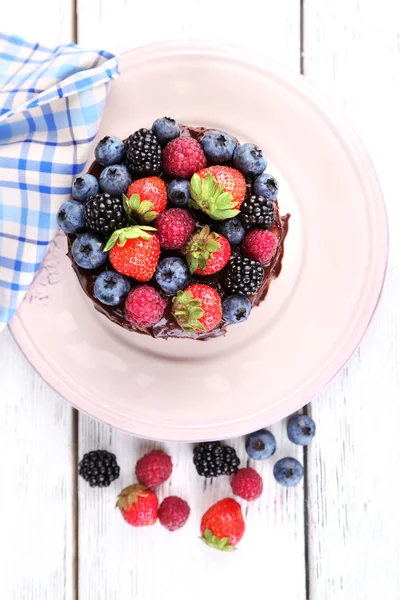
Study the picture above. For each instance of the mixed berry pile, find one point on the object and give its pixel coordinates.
(175, 225)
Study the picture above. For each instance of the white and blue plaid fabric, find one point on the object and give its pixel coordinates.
(51, 102)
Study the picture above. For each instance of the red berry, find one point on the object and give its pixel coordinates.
(222, 526)
(154, 468)
(207, 252)
(144, 306)
(138, 505)
(247, 484)
(174, 228)
(134, 252)
(145, 199)
(183, 157)
(173, 513)
(198, 308)
(261, 245)
(231, 179)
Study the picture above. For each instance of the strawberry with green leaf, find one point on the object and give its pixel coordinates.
(222, 526)
(134, 251)
(197, 309)
(218, 191)
(207, 252)
(146, 198)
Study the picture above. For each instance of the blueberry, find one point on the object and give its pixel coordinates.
(172, 275)
(300, 429)
(288, 471)
(267, 186)
(260, 445)
(84, 186)
(109, 151)
(111, 288)
(236, 309)
(87, 251)
(115, 180)
(218, 146)
(166, 129)
(249, 160)
(233, 230)
(70, 216)
(178, 192)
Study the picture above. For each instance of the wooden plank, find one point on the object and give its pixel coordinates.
(36, 505)
(116, 562)
(351, 51)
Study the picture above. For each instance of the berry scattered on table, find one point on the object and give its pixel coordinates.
(111, 288)
(261, 245)
(144, 306)
(197, 309)
(85, 186)
(206, 252)
(218, 191)
(243, 275)
(174, 228)
(115, 180)
(183, 157)
(260, 445)
(233, 230)
(70, 216)
(257, 211)
(134, 251)
(288, 471)
(143, 153)
(266, 185)
(300, 429)
(88, 251)
(236, 308)
(178, 193)
(104, 214)
(213, 459)
(99, 468)
(109, 151)
(166, 129)
(218, 146)
(172, 274)
(223, 526)
(154, 468)
(249, 160)
(138, 505)
(247, 484)
(173, 513)
(146, 199)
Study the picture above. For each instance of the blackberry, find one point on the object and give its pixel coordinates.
(143, 153)
(212, 459)
(99, 468)
(104, 214)
(257, 211)
(243, 275)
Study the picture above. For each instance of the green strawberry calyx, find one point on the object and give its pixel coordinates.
(200, 248)
(208, 196)
(187, 311)
(130, 496)
(129, 233)
(223, 544)
(138, 210)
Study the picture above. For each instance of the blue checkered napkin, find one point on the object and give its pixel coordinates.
(51, 101)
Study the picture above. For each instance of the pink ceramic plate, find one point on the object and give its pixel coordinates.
(315, 313)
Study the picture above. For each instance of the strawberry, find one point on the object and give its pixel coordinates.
(146, 199)
(198, 308)
(218, 191)
(138, 505)
(261, 245)
(207, 252)
(222, 526)
(137, 252)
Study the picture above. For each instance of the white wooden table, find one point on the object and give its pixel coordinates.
(335, 537)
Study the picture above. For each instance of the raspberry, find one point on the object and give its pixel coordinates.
(247, 484)
(183, 157)
(261, 245)
(175, 226)
(144, 306)
(173, 513)
(154, 468)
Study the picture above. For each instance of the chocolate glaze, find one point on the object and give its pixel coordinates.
(168, 326)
